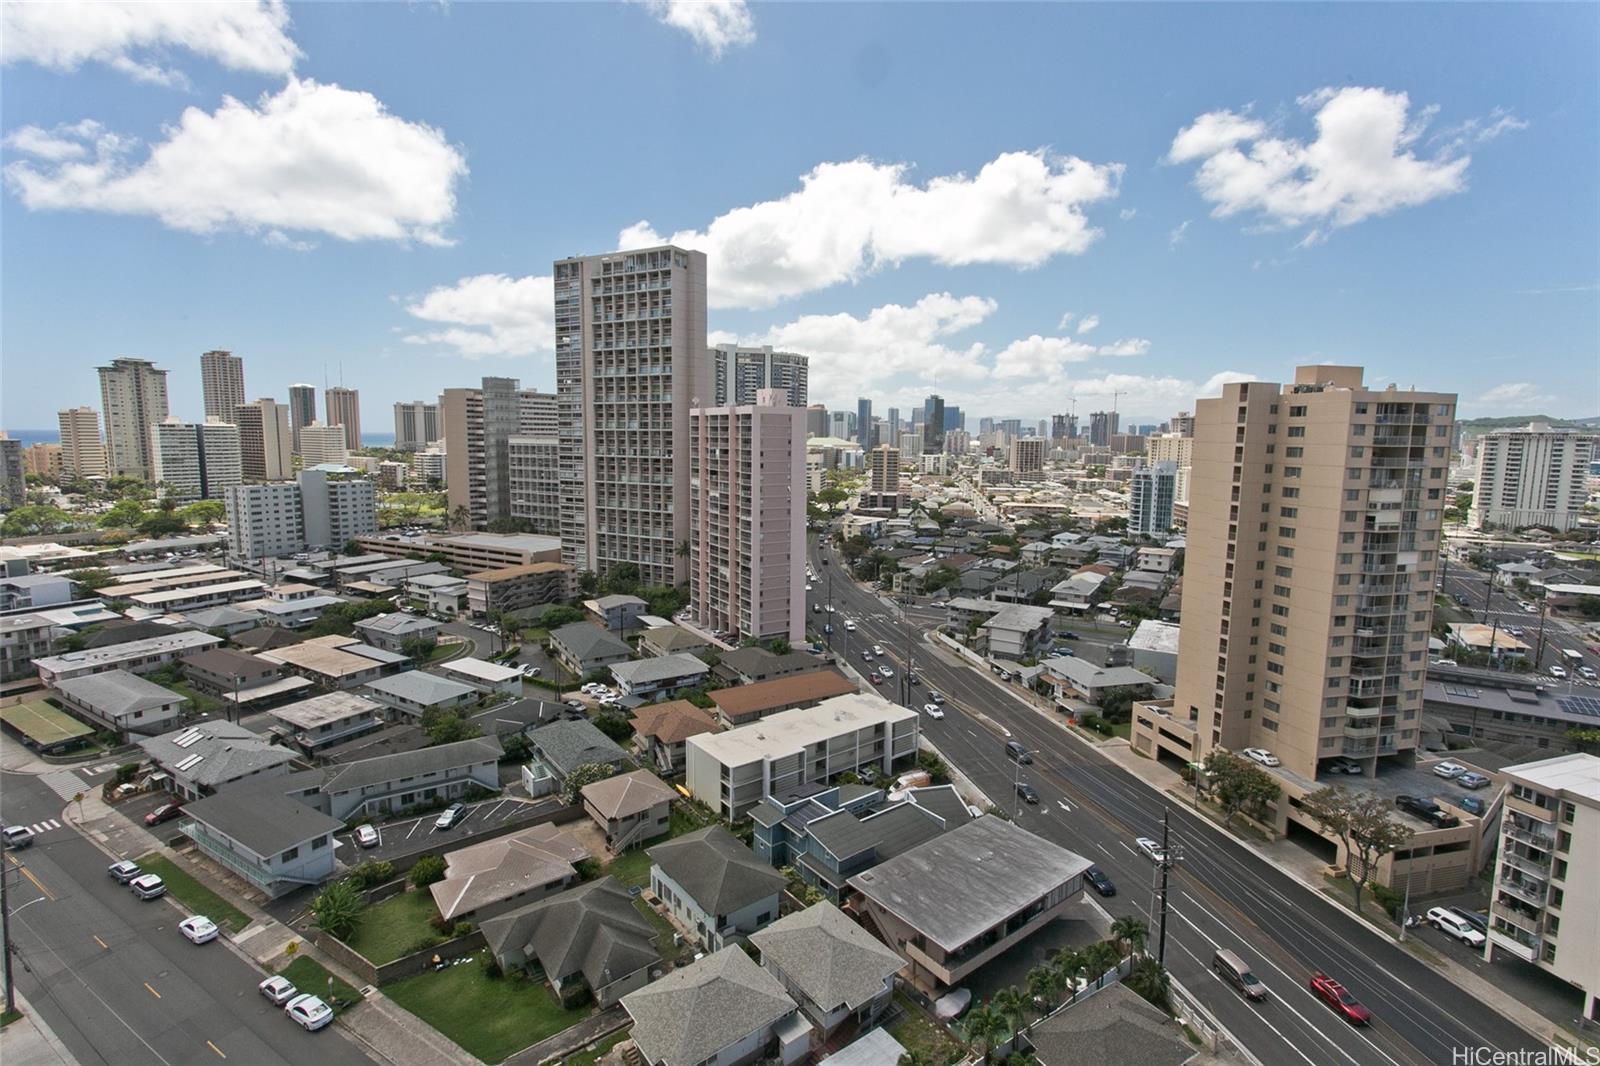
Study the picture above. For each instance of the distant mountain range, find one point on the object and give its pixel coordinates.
(1483, 425)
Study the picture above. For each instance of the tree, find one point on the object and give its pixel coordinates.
(461, 517)
(1068, 963)
(933, 766)
(518, 748)
(941, 577)
(1131, 932)
(124, 514)
(613, 725)
(1116, 704)
(622, 579)
(1011, 1003)
(1046, 984)
(1149, 979)
(831, 496)
(428, 869)
(1240, 786)
(338, 909)
(587, 774)
(33, 519)
(92, 578)
(985, 1026)
(163, 523)
(447, 726)
(417, 647)
(509, 525)
(1584, 740)
(588, 584)
(558, 616)
(1361, 821)
(204, 512)
(915, 1058)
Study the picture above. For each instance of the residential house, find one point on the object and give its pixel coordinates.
(1155, 649)
(631, 809)
(416, 692)
(1158, 560)
(644, 678)
(336, 662)
(721, 1009)
(780, 821)
(751, 666)
(1114, 1024)
(22, 591)
(583, 648)
(24, 638)
(714, 887)
(1018, 632)
(259, 831)
(834, 969)
(1070, 677)
(392, 632)
(560, 748)
(444, 595)
(388, 783)
(519, 716)
(590, 937)
(1491, 640)
(293, 614)
(219, 671)
(944, 910)
(205, 758)
(1082, 590)
(1022, 586)
(122, 702)
(670, 640)
(616, 613)
(265, 638)
(135, 656)
(226, 619)
(744, 704)
(492, 877)
(331, 718)
(660, 730)
(486, 677)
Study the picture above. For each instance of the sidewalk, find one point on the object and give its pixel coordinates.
(30, 1042)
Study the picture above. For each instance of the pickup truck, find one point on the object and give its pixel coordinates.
(1427, 810)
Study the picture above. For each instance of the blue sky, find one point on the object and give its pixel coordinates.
(1019, 206)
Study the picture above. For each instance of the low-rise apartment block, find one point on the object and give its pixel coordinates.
(517, 590)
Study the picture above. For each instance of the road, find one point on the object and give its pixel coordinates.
(1222, 895)
(112, 976)
(1469, 590)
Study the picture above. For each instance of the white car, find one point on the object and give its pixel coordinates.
(588, 689)
(278, 990)
(1152, 849)
(877, 649)
(829, 608)
(309, 1012)
(1451, 924)
(884, 671)
(808, 586)
(1262, 756)
(1530, 608)
(1558, 671)
(366, 836)
(849, 627)
(530, 670)
(1587, 672)
(933, 710)
(1449, 770)
(198, 929)
(148, 886)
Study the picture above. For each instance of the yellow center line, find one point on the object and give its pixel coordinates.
(215, 1048)
(51, 896)
(102, 943)
(153, 992)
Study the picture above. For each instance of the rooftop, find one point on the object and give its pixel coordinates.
(673, 721)
(487, 672)
(42, 723)
(398, 623)
(1155, 636)
(226, 662)
(719, 873)
(110, 654)
(627, 794)
(214, 753)
(511, 573)
(791, 731)
(587, 641)
(383, 769)
(1576, 774)
(1112, 1025)
(1085, 674)
(781, 692)
(593, 929)
(1020, 618)
(498, 869)
(832, 960)
(324, 710)
(524, 542)
(117, 692)
(699, 1010)
(419, 686)
(659, 668)
(567, 745)
(321, 659)
(259, 816)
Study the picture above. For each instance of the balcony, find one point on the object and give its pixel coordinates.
(1534, 895)
(1535, 868)
(1361, 730)
(1524, 833)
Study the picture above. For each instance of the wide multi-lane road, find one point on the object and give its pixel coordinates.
(1221, 895)
(113, 977)
(1469, 590)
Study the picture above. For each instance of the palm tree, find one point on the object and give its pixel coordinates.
(1046, 983)
(1011, 1003)
(1131, 931)
(1098, 958)
(1150, 980)
(985, 1026)
(1068, 963)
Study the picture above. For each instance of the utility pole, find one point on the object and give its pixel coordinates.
(1167, 859)
(5, 934)
(1538, 644)
(1489, 595)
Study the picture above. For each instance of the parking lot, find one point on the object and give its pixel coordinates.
(413, 835)
(136, 808)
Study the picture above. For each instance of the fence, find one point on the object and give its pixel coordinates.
(405, 966)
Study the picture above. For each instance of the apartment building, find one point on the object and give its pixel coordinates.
(317, 510)
(884, 470)
(429, 466)
(1151, 492)
(741, 372)
(1545, 908)
(83, 453)
(416, 425)
(221, 384)
(517, 589)
(933, 424)
(133, 395)
(343, 408)
(534, 466)
(195, 460)
(266, 443)
(321, 444)
(747, 514)
(302, 410)
(13, 478)
(1534, 476)
(1103, 426)
(1177, 449)
(478, 427)
(469, 551)
(631, 360)
(538, 413)
(1314, 532)
(1027, 455)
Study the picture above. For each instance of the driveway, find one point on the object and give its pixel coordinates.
(413, 836)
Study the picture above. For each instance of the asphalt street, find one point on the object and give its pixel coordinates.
(1470, 591)
(113, 977)
(1221, 894)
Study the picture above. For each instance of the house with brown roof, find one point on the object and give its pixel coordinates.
(662, 728)
(492, 877)
(744, 704)
(632, 808)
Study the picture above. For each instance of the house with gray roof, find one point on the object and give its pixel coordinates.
(713, 886)
(412, 694)
(225, 619)
(644, 678)
(259, 831)
(833, 968)
(667, 639)
(723, 1009)
(583, 648)
(387, 783)
(209, 756)
(749, 666)
(617, 612)
(560, 748)
(391, 631)
(122, 702)
(1073, 678)
(589, 937)
(1114, 1024)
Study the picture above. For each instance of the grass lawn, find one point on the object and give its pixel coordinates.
(309, 975)
(916, 1032)
(631, 867)
(392, 928)
(192, 894)
(7, 1017)
(489, 1018)
(1122, 729)
(591, 1056)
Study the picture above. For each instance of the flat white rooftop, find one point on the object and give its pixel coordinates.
(1576, 774)
(790, 731)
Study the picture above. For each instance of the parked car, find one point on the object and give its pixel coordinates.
(148, 886)
(1477, 919)
(575, 705)
(164, 813)
(452, 814)
(1588, 673)
(198, 929)
(1027, 792)
(278, 990)
(1471, 779)
(1339, 998)
(1427, 810)
(1473, 805)
(1452, 925)
(1262, 756)
(124, 871)
(1070, 635)
(366, 836)
(1099, 881)
(1342, 765)
(309, 1012)
(529, 670)
(1449, 770)
(17, 837)
(1152, 849)
(816, 608)
(933, 710)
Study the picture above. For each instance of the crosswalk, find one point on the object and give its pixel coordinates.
(45, 826)
(64, 783)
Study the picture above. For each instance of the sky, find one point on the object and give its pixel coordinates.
(1030, 209)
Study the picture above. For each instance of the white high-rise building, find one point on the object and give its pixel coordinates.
(534, 465)
(195, 460)
(133, 395)
(1178, 450)
(322, 444)
(631, 361)
(265, 440)
(1535, 476)
(83, 453)
(416, 425)
(1151, 492)
(344, 409)
(221, 384)
(538, 413)
(742, 372)
(747, 516)
(429, 465)
(318, 510)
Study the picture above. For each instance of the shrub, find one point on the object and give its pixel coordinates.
(372, 872)
(588, 869)
(462, 929)
(429, 868)
(427, 943)
(338, 909)
(126, 772)
(491, 966)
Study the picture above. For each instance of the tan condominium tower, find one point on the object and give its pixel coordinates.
(1314, 525)
(221, 384)
(631, 360)
(83, 453)
(133, 394)
(344, 409)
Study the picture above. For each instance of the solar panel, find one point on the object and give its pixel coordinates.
(1465, 693)
(184, 740)
(189, 763)
(1588, 705)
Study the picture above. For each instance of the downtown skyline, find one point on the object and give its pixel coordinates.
(1012, 242)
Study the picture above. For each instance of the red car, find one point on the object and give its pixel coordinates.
(1340, 999)
(164, 813)
(875, 679)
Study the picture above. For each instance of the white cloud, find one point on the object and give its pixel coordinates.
(135, 38)
(1040, 357)
(1125, 347)
(1362, 163)
(1514, 395)
(848, 219)
(1179, 234)
(311, 158)
(1064, 320)
(54, 145)
(1088, 322)
(489, 315)
(715, 25)
(1127, 213)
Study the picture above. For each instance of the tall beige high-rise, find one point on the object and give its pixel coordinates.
(221, 383)
(83, 453)
(344, 409)
(265, 440)
(631, 361)
(1314, 533)
(133, 394)
(885, 469)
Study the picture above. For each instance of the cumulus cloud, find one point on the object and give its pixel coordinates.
(309, 159)
(715, 25)
(1362, 163)
(136, 38)
(848, 219)
(1513, 395)
(1088, 322)
(489, 315)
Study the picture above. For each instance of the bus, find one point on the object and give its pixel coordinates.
(1573, 656)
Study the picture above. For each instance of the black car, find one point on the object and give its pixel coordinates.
(1026, 791)
(1477, 919)
(1069, 635)
(1099, 881)
(913, 679)
(1428, 811)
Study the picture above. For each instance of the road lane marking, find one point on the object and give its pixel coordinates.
(152, 991)
(49, 895)
(1064, 806)
(215, 1048)
(102, 943)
